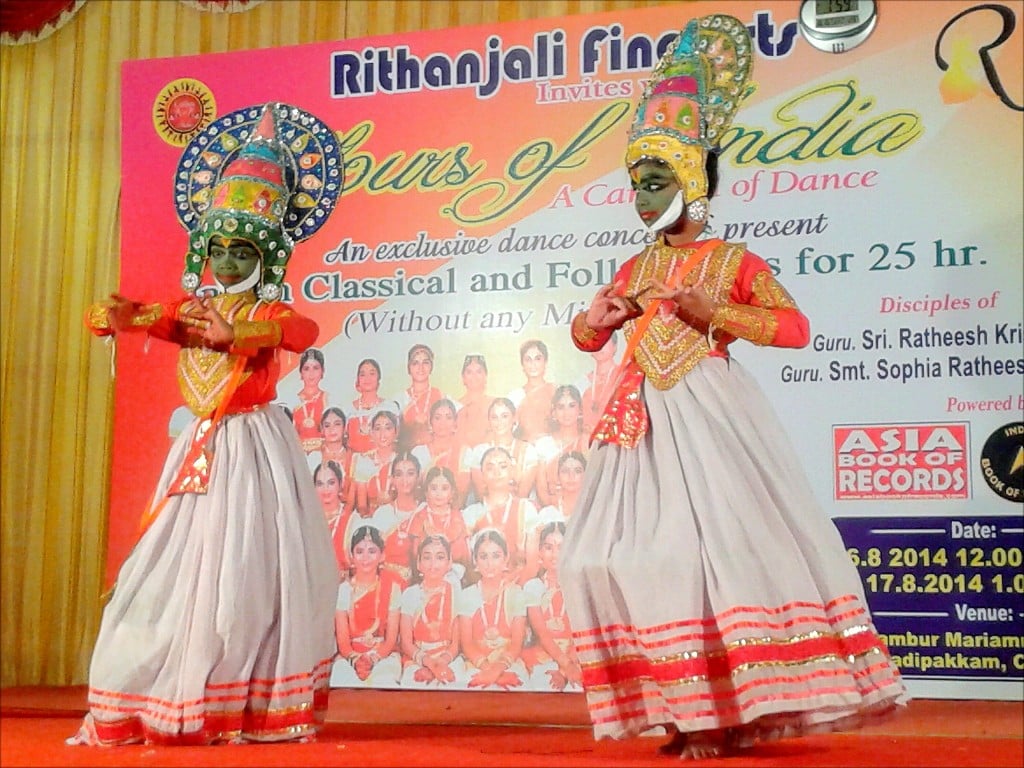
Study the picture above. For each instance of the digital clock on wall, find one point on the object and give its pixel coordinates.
(836, 26)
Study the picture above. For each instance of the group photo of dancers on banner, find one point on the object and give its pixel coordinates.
(424, 491)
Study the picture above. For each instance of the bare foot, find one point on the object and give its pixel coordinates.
(675, 745)
(79, 739)
(86, 734)
(703, 744)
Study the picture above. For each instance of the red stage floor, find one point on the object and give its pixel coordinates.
(407, 728)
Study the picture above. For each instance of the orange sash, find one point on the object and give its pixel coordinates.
(625, 407)
(194, 474)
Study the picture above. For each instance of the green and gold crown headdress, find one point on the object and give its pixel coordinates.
(690, 99)
(268, 174)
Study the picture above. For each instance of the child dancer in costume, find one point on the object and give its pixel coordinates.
(500, 508)
(501, 419)
(417, 399)
(566, 435)
(371, 471)
(471, 423)
(366, 406)
(444, 448)
(707, 590)
(441, 515)
(429, 627)
(492, 618)
(312, 401)
(333, 448)
(395, 519)
(329, 481)
(367, 619)
(219, 627)
(533, 399)
(551, 658)
(571, 468)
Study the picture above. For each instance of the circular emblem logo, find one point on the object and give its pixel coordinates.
(1002, 461)
(182, 109)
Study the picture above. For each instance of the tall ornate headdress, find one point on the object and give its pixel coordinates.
(690, 100)
(269, 175)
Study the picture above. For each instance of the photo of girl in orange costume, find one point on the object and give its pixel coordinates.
(440, 516)
(501, 509)
(416, 399)
(366, 619)
(550, 658)
(371, 471)
(565, 435)
(443, 448)
(330, 483)
(312, 400)
(429, 625)
(360, 414)
(334, 448)
(395, 519)
(492, 618)
(501, 419)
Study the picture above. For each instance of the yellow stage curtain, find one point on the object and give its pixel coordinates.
(60, 144)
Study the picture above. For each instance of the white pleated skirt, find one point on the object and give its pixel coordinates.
(221, 623)
(705, 585)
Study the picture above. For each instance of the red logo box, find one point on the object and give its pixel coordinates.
(901, 461)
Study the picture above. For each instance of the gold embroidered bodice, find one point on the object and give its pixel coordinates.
(670, 347)
(204, 373)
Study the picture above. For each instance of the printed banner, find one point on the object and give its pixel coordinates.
(484, 203)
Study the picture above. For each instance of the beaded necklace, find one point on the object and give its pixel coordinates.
(431, 526)
(307, 415)
(488, 518)
(492, 635)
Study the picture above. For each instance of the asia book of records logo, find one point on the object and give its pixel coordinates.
(901, 461)
(1002, 461)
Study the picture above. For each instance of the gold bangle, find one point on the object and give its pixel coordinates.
(582, 330)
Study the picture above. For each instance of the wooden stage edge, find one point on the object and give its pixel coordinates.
(922, 717)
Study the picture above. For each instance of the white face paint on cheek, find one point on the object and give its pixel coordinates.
(671, 214)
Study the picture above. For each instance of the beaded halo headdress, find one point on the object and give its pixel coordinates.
(268, 174)
(690, 100)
